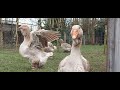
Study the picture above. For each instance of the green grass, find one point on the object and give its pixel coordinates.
(95, 55)
(11, 60)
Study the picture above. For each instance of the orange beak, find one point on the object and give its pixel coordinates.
(74, 34)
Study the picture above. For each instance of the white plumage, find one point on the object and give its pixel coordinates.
(75, 62)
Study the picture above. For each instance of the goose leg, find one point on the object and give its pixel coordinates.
(35, 64)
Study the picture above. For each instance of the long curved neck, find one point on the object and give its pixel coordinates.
(61, 43)
(27, 38)
(75, 50)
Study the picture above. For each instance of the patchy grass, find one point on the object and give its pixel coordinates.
(11, 61)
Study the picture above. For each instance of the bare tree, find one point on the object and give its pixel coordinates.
(105, 35)
(1, 33)
(12, 25)
(93, 23)
(85, 24)
(39, 23)
(6, 20)
(17, 22)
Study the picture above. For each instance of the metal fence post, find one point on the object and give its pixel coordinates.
(114, 45)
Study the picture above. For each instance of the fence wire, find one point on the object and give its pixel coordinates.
(93, 48)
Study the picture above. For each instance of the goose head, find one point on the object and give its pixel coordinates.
(61, 41)
(24, 29)
(76, 34)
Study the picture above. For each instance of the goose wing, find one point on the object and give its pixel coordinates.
(40, 38)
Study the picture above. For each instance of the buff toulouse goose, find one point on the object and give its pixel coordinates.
(35, 43)
(65, 46)
(75, 62)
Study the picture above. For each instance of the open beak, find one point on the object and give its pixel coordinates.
(74, 34)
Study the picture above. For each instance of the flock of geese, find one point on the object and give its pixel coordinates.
(37, 47)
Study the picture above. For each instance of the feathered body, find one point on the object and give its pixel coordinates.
(35, 43)
(75, 62)
(50, 45)
(65, 46)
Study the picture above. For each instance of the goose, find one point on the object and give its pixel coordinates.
(50, 45)
(75, 62)
(50, 49)
(35, 45)
(65, 46)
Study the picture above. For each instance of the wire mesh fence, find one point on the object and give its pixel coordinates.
(93, 49)
(94, 53)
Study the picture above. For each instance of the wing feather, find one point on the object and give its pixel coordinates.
(50, 35)
(41, 38)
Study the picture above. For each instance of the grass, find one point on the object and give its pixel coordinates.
(95, 55)
(11, 60)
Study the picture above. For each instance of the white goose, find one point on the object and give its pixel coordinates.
(35, 43)
(75, 62)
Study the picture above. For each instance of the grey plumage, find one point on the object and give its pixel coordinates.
(65, 46)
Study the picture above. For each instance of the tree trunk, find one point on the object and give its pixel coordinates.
(64, 37)
(6, 20)
(17, 20)
(1, 33)
(88, 27)
(93, 38)
(84, 39)
(12, 25)
(39, 23)
(93, 31)
(105, 39)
